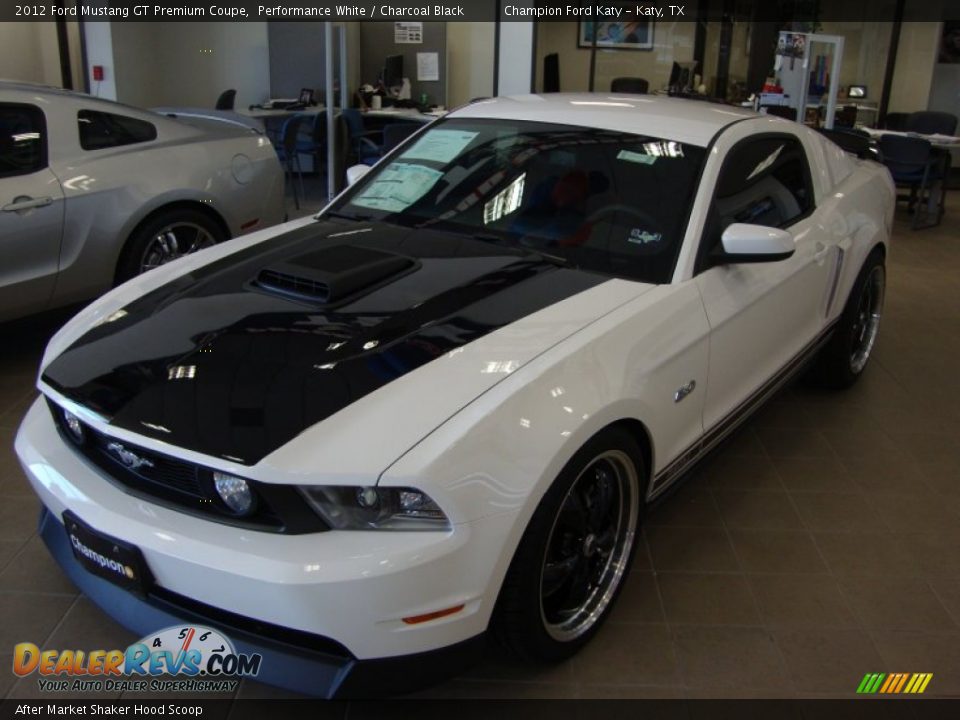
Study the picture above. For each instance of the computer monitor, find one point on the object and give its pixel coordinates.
(393, 71)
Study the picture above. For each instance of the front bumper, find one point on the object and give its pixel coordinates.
(337, 598)
(308, 664)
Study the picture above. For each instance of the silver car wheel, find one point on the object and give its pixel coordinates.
(866, 324)
(589, 546)
(174, 241)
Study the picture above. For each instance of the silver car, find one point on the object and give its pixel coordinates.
(93, 192)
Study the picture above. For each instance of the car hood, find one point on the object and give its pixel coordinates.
(354, 332)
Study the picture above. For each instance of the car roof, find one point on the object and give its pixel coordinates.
(33, 89)
(685, 120)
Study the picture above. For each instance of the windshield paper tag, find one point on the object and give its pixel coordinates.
(631, 156)
(398, 187)
(440, 146)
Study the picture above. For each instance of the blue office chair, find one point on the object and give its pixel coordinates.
(364, 142)
(289, 154)
(914, 165)
(312, 140)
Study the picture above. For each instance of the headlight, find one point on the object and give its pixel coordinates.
(235, 493)
(74, 427)
(375, 508)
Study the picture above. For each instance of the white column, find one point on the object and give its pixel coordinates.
(515, 58)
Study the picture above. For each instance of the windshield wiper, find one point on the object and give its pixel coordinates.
(497, 240)
(346, 215)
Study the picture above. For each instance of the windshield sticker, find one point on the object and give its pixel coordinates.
(642, 237)
(440, 146)
(764, 164)
(635, 157)
(398, 187)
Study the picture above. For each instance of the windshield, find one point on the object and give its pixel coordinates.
(600, 200)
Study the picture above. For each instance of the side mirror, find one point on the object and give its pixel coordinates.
(743, 243)
(355, 172)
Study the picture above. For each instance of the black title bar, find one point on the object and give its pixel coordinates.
(803, 14)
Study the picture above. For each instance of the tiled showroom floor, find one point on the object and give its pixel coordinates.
(822, 543)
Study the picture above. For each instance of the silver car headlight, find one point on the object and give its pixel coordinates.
(375, 508)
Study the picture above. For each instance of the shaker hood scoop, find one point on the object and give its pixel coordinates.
(238, 357)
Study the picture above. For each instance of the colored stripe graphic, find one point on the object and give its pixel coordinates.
(894, 683)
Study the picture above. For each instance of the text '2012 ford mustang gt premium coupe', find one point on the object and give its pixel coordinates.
(436, 411)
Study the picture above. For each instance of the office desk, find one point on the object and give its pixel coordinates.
(268, 114)
(944, 142)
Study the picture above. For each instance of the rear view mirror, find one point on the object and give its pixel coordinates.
(355, 172)
(743, 243)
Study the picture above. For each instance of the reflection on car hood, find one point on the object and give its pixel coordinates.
(240, 356)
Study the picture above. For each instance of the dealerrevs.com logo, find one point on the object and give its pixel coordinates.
(204, 659)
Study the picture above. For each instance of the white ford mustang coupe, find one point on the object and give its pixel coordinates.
(362, 442)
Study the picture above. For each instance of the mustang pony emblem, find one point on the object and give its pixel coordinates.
(129, 459)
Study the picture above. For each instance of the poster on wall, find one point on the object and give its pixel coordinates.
(637, 35)
(950, 42)
(408, 33)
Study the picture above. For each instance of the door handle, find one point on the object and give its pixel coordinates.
(24, 202)
(821, 251)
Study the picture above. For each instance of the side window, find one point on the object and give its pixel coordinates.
(23, 142)
(99, 130)
(765, 181)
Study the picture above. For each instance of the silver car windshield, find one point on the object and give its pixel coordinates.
(600, 200)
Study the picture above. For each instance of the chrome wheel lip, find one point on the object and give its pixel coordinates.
(593, 607)
(167, 244)
(867, 325)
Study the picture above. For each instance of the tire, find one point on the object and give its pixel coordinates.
(539, 614)
(151, 245)
(844, 358)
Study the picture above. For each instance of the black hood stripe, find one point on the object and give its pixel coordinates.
(217, 363)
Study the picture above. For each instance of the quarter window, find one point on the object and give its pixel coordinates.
(99, 130)
(765, 181)
(22, 140)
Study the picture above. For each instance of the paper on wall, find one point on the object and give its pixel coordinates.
(398, 187)
(428, 66)
(440, 146)
(408, 33)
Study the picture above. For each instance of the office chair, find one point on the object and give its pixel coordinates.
(312, 139)
(361, 140)
(895, 121)
(288, 154)
(551, 73)
(845, 116)
(913, 164)
(929, 122)
(226, 100)
(635, 85)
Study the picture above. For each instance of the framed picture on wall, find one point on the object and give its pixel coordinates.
(634, 35)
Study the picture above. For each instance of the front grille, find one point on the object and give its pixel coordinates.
(187, 486)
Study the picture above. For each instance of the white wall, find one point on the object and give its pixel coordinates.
(28, 52)
(916, 57)
(470, 49)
